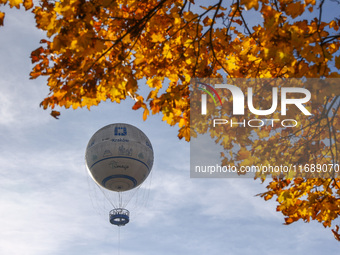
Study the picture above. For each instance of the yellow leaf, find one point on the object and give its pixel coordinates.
(173, 77)
(155, 82)
(243, 154)
(145, 114)
(127, 39)
(157, 38)
(181, 122)
(247, 162)
(168, 118)
(188, 42)
(251, 4)
(184, 132)
(333, 24)
(28, 4)
(139, 59)
(15, 3)
(61, 8)
(312, 2)
(252, 57)
(178, 21)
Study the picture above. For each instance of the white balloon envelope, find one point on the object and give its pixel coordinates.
(119, 157)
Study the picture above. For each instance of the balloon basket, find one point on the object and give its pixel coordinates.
(119, 216)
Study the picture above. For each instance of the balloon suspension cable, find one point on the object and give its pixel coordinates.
(118, 241)
(105, 195)
(120, 199)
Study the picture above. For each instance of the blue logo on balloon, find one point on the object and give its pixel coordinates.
(121, 131)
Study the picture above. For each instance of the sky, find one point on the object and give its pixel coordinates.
(49, 205)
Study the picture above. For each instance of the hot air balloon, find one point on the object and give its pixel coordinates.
(119, 157)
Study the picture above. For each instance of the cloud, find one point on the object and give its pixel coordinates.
(42, 204)
(19, 97)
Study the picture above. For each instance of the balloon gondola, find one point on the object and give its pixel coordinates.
(119, 216)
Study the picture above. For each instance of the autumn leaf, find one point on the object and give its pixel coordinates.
(15, 3)
(337, 62)
(336, 233)
(249, 4)
(145, 114)
(2, 16)
(295, 9)
(207, 21)
(55, 114)
(243, 154)
(28, 4)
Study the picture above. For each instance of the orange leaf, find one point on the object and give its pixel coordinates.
(288, 221)
(55, 114)
(337, 62)
(28, 4)
(137, 105)
(2, 16)
(336, 233)
(145, 114)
